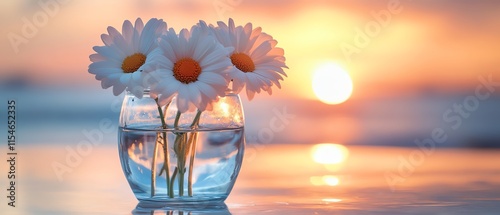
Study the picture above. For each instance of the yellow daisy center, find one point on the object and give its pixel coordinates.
(133, 62)
(243, 62)
(187, 70)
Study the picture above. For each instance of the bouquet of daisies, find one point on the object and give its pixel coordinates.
(194, 65)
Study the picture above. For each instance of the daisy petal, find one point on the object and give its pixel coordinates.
(96, 57)
(182, 101)
(212, 78)
(106, 39)
(109, 53)
(128, 31)
(261, 50)
(148, 38)
(139, 25)
(118, 88)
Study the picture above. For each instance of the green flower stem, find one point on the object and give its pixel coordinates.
(192, 142)
(191, 164)
(183, 145)
(177, 117)
(171, 188)
(181, 182)
(196, 119)
(181, 162)
(179, 149)
(166, 163)
(153, 170)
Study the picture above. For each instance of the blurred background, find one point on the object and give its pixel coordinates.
(361, 72)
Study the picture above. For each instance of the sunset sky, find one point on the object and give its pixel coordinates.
(398, 52)
(428, 46)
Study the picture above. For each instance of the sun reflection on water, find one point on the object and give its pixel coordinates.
(329, 153)
(331, 200)
(325, 180)
(332, 157)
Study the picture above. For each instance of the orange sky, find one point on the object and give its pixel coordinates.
(428, 46)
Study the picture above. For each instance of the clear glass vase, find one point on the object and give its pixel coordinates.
(188, 158)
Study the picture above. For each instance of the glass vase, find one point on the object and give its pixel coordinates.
(187, 158)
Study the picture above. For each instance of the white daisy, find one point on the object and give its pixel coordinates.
(125, 56)
(192, 66)
(258, 63)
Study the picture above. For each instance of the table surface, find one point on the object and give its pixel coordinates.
(275, 179)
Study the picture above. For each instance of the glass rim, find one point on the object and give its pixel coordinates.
(181, 129)
(228, 91)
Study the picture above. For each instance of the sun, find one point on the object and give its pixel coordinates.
(331, 84)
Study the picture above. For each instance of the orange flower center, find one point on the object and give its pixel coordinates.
(133, 62)
(187, 70)
(243, 62)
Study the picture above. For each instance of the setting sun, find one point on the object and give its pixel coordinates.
(331, 84)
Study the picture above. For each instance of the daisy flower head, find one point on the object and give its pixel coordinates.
(192, 67)
(126, 57)
(257, 62)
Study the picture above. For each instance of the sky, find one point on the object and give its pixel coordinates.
(423, 46)
(408, 60)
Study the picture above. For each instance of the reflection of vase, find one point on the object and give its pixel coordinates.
(143, 208)
(207, 175)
